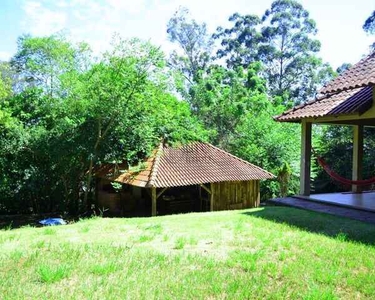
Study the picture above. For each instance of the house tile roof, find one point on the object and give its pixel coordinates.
(360, 75)
(356, 100)
(193, 164)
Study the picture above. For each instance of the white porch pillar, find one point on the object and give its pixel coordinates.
(357, 156)
(305, 158)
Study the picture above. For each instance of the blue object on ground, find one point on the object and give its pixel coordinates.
(52, 222)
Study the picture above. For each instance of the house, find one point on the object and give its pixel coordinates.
(346, 100)
(194, 177)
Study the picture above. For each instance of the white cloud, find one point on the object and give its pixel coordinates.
(4, 56)
(95, 21)
(41, 20)
(62, 3)
(79, 15)
(129, 6)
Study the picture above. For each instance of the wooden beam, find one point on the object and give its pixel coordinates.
(365, 122)
(161, 193)
(305, 159)
(200, 198)
(153, 198)
(357, 156)
(206, 188)
(212, 199)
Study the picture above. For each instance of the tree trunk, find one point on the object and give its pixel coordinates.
(88, 183)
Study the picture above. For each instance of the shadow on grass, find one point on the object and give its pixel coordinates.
(332, 226)
(9, 222)
(16, 221)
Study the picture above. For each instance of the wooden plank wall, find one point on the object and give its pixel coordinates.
(235, 195)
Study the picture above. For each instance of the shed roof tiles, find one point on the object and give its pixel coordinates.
(192, 164)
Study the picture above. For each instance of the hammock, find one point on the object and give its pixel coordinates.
(339, 178)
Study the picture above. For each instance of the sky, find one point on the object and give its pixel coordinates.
(339, 22)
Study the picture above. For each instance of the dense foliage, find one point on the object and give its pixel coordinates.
(64, 110)
(369, 26)
(65, 119)
(283, 39)
(335, 145)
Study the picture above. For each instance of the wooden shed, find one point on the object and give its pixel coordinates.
(194, 177)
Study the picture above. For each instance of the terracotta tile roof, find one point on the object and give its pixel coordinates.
(137, 176)
(197, 163)
(347, 102)
(360, 75)
(203, 163)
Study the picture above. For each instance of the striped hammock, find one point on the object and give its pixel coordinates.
(339, 178)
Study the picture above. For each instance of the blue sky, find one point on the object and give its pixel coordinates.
(339, 21)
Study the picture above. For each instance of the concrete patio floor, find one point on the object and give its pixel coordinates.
(353, 206)
(362, 201)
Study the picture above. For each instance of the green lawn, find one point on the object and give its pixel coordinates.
(272, 253)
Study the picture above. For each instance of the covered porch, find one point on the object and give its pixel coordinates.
(357, 196)
(348, 100)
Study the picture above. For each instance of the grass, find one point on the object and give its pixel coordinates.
(104, 269)
(180, 243)
(50, 274)
(272, 253)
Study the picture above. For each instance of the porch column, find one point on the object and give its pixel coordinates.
(153, 199)
(305, 158)
(357, 156)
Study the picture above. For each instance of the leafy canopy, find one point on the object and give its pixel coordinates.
(69, 118)
(194, 41)
(283, 40)
(369, 26)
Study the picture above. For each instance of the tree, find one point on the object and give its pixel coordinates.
(313, 74)
(369, 26)
(116, 110)
(117, 94)
(223, 97)
(283, 177)
(8, 126)
(284, 42)
(240, 43)
(268, 144)
(43, 61)
(341, 69)
(194, 41)
(289, 48)
(5, 80)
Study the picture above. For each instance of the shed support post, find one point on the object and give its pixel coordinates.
(257, 193)
(357, 156)
(212, 198)
(200, 197)
(153, 205)
(305, 158)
